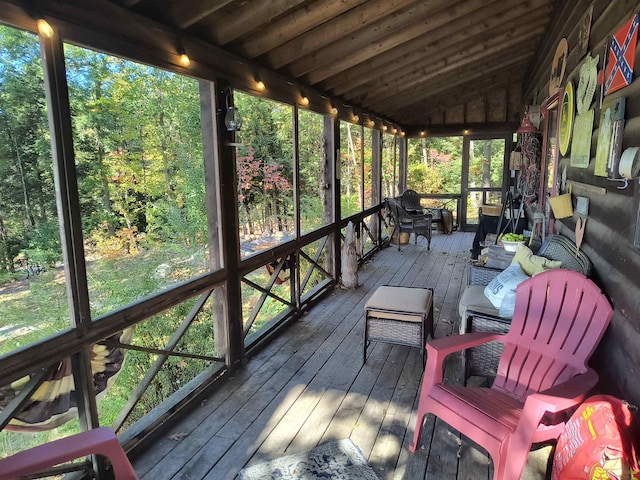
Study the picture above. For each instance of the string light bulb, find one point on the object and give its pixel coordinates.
(44, 28)
(356, 118)
(260, 86)
(384, 128)
(304, 100)
(334, 110)
(423, 133)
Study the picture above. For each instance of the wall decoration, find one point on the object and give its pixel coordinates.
(558, 66)
(612, 111)
(615, 149)
(587, 83)
(567, 112)
(622, 52)
(584, 30)
(581, 146)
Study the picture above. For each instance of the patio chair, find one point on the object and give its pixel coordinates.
(560, 316)
(410, 201)
(405, 222)
(99, 441)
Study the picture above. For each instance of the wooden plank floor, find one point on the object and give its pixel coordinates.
(309, 386)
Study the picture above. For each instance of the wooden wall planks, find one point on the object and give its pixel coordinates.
(610, 230)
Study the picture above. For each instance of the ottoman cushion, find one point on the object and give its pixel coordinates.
(400, 303)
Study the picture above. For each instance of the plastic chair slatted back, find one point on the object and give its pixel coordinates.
(559, 318)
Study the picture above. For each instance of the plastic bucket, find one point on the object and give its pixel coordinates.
(561, 205)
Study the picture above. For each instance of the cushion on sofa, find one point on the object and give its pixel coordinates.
(533, 264)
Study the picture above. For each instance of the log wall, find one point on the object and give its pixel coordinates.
(611, 225)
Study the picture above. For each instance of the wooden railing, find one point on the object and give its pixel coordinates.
(322, 266)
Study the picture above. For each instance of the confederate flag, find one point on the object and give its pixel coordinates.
(621, 57)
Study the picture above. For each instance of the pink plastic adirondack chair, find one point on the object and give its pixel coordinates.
(560, 316)
(101, 441)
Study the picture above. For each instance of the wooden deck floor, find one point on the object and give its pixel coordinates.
(309, 386)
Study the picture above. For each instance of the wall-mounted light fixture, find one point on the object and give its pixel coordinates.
(232, 118)
(44, 28)
(185, 61)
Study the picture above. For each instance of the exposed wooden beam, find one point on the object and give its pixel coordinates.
(423, 109)
(424, 101)
(293, 25)
(250, 16)
(416, 23)
(469, 30)
(128, 3)
(471, 73)
(365, 43)
(333, 30)
(185, 13)
(489, 50)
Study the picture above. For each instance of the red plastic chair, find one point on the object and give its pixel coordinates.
(100, 441)
(560, 316)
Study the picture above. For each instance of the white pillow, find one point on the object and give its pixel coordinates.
(501, 291)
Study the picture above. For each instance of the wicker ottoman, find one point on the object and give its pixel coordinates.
(400, 315)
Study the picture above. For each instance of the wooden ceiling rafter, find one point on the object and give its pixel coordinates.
(419, 78)
(185, 13)
(422, 51)
(434, 88)
(471, 75)
(444, 59)
(234, 23)
(332, 31)
(427, 108)
(292, 26)
(403, 60)
(363, 44)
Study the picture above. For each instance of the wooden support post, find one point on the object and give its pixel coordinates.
(402, 181)
(332, 205)
(68, 204)
(376, 179)
(226, 161)
(294, 258)
(208, 113)
(464, 180)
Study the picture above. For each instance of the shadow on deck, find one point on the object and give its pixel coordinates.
(309, 386)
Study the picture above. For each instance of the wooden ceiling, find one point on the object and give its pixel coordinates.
(417, 63)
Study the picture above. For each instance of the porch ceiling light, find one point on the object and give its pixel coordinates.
(185, 61)
(44, 28)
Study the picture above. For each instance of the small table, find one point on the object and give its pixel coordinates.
(399, 315)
